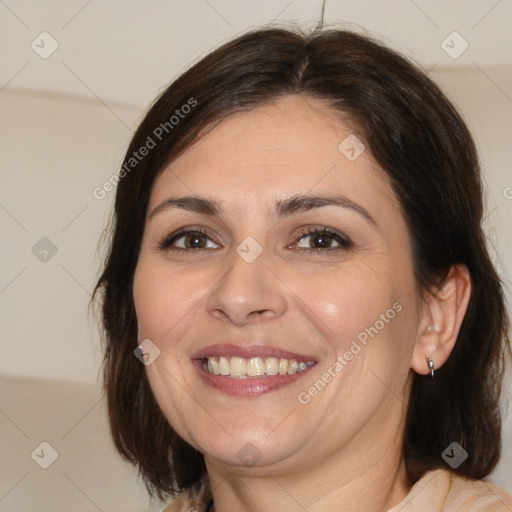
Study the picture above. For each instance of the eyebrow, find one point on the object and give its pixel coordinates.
(303, 203)
(284, 207)
(189, 203)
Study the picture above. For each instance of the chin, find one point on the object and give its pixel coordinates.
(252, 448)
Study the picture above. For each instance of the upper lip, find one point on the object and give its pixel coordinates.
(249, 351)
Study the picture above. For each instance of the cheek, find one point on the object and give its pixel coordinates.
(368, 318)
(346, 302)
(151, 295)
(164, 299)
(367, 314)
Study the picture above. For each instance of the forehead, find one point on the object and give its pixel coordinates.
(295, 145)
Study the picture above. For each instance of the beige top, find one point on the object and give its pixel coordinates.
(436, 491)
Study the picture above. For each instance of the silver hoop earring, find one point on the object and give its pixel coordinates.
(431, 367)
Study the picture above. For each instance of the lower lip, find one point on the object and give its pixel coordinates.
(251, 386)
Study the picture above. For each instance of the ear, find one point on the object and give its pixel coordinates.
(440, 320)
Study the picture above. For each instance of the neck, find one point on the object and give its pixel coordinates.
(373, 484)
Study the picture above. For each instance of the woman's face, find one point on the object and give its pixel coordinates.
(280, 293)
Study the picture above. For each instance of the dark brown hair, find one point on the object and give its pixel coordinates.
(416, 135)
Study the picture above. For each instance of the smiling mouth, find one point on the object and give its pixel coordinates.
(243, 368)
(250, 370)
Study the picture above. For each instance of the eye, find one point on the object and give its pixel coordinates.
(323, 239)
(187, 240)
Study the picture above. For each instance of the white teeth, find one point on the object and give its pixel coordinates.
(238, 367)
(223, 365)
(255, 367)
(213, 366)
(292, 367)
(271, 366)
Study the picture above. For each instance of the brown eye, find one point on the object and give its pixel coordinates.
(317, 240)
(321, 241)
(195, 241)
(187, 240)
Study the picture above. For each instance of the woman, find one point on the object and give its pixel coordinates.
(297, 264)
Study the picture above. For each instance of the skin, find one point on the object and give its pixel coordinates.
(343, 449)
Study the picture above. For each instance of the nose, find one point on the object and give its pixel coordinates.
(247, 292)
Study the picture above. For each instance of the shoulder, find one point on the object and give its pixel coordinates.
(478, 495)
(182, 503)
(444, 491)
(196, 499)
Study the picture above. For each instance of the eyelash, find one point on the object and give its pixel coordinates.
(344, 241)
(167, 241)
